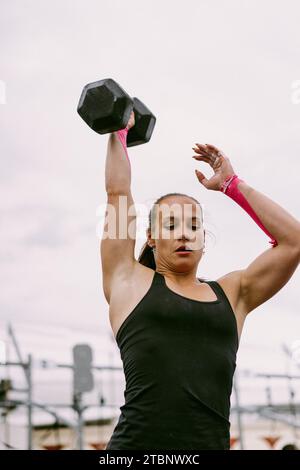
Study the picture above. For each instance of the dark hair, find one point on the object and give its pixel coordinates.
(289, 447)
(146, 256)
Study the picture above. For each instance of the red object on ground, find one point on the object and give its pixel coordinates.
(233, 440)
(54, 446)
(271, 440)
(98, 445)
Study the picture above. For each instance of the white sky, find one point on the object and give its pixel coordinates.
(211, 71)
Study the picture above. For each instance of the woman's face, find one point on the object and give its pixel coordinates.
(177, 221)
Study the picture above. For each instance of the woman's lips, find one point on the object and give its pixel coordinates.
(183, 252)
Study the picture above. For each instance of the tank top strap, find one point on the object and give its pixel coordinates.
(158, 279)
(219, 291)
(215, 287)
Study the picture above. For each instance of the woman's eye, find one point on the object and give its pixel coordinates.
(170, 227)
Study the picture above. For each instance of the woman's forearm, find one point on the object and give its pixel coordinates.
(117, 165)
(282, 225)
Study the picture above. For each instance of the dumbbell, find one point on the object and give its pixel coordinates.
(106, 107)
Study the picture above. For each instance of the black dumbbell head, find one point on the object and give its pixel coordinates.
(105, 106)
(141, 132)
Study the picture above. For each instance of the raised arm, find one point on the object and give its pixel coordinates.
(119, 233)
(272, 269)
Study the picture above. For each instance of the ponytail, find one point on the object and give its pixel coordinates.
(146, 256)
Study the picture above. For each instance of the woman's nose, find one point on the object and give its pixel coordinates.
(184, 237)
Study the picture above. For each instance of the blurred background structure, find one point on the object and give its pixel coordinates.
(212, 71)
(74, 404)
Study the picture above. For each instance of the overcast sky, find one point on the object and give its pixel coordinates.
(220, 72)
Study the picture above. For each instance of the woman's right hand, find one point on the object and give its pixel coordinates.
(131, 121)
(218, 161)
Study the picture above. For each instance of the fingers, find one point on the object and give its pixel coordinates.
(212, 161)
(213, 149)
(215, 165)
(213, 155)
(209, 149)
(205, 151)
(204, 159)
(201, 178)
(202, 149)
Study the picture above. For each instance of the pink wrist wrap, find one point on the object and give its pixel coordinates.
(122, 134)
(230, 188)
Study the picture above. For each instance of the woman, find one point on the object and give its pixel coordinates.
(178, 334)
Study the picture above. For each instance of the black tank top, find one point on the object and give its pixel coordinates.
(179, 357)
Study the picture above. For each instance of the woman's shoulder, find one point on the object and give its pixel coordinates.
(204, 279)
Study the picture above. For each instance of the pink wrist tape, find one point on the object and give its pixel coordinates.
(122, 134)
(230, 188)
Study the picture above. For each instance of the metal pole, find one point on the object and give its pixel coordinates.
(29, 402)
(28, 375)
(77, 397)
(16, 346)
